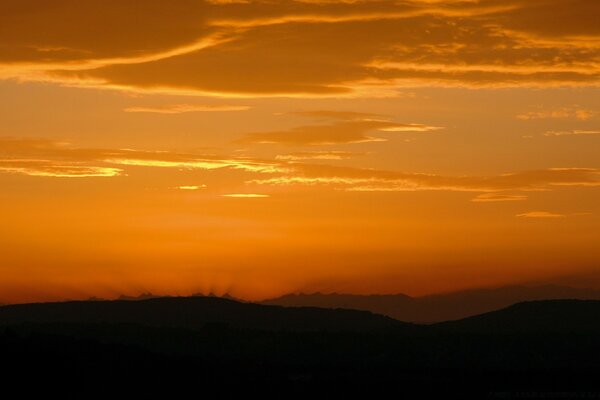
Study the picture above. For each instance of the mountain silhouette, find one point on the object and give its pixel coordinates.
(216, 345)
(440, 307)
(142, 296)
(195, 313)
(539, 317)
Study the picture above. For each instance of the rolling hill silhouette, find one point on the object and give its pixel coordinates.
(195, 313)
(539, 317)
(213, 345)
(440, 307)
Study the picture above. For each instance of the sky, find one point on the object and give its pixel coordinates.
(260, 147)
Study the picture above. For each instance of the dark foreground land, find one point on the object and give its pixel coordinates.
(207, 347)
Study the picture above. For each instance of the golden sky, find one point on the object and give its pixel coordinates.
(258, 147)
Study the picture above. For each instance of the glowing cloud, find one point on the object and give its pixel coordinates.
(395, 44)
(185, 108)
(246, 195)
(371, 180)
(565, 112)
(576, 132)
(320, 155)
(497, 197)
(55, 169)
(191, 187)
(540, 214)
(349, 127)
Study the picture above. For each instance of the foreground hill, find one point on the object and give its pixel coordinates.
(204, 345)
(436, 308)
(195, 313)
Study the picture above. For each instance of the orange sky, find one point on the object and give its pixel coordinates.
(263, 147)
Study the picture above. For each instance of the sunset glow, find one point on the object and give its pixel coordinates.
(257, 148)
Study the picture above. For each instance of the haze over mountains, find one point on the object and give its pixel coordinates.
(439, 307)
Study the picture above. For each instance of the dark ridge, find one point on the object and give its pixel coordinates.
(548, 316)
(207, 344)
(195, 313)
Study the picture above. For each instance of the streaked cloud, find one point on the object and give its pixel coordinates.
(371, 180)
(338, 115)
(541, 214)
(264, 48)
(191, 187)
(346, 128)
(565, 112)
(184, 108)
(246, 195)
(497, 197)
(37, 157)
(187, 161)
(576, 132)
(56, 169)
(411, 128)
(320, 155)
(42, 157)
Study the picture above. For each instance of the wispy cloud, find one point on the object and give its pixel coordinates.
(320, 155)
(57, 169)
(189, 161)
(348, 127)
(39, 157)
(338, 115)
(498, 197)
(184, 108)
(575, 132)
(246, 195)
(395, 44)
(565, 112)
(541, 214)
(371, 180)
(191, 187)
(45, 158)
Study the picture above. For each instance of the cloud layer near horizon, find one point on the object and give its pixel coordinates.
(300, 48)
(44, 158)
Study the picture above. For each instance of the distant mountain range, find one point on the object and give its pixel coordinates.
(436, 308)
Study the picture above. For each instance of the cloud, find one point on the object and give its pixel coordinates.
(540, 214)
(320, 155)
(575, 132)
(565, 112)
(372, 180)
(184, 108)
(44, 158)
(191, 187)
(497, 197)
(54, 169)
(316, 135)
(188, 161)
(338, 115)
(348, 127)
(298, 48)
(72, 32)
(246, 195)
(40, 157)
